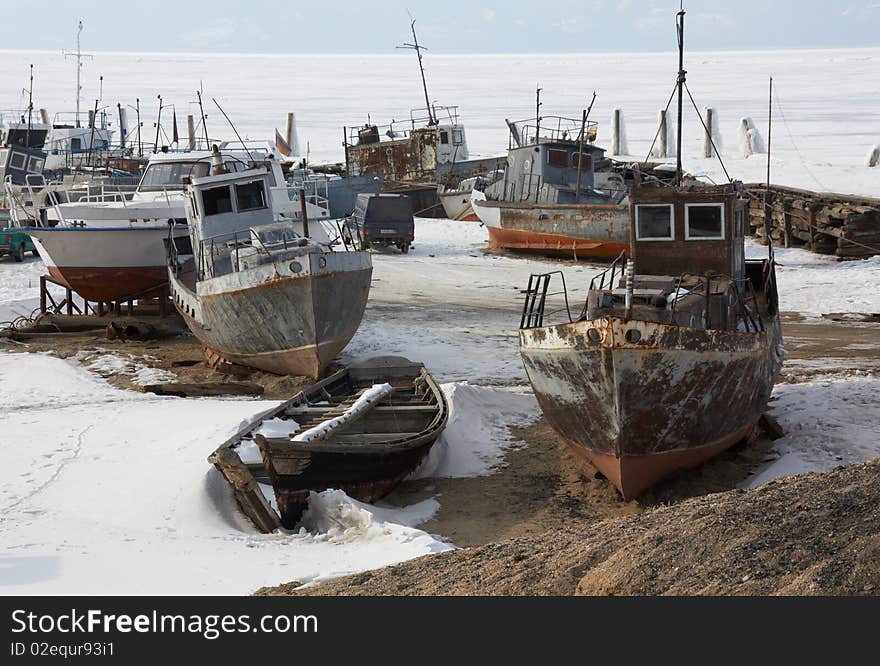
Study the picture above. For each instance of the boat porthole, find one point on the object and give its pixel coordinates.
(594, 335)
(295, 267)
(633, 336)
(322, 262)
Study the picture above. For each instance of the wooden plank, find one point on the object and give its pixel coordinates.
(209, 389)
(246, 490)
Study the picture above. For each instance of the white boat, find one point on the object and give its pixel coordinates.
(110, 247)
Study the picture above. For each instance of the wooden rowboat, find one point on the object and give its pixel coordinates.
(361, 430)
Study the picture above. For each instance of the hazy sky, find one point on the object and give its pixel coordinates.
(446, 26)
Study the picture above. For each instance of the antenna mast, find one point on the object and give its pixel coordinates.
(79, 55)
(682, 77)
(27, 139)
(415, 46)
(767, 211)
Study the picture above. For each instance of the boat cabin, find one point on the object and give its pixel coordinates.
(689, 267)
(17, 162)
(233, 226)
(407, 151)
(553, 161)
(699, 228)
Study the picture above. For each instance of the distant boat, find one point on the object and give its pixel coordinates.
(362, 430)
(551, 201)
(456, 201)
(276, 296)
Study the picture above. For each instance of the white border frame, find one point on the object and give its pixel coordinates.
(687, 221)
(671, 223)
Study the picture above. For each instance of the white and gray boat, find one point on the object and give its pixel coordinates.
(278, 296)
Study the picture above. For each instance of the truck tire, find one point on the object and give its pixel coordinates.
(404, 248)
(19, 253)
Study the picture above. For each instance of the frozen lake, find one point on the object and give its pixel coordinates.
(826, 118)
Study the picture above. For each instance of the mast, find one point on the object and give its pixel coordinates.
(27, 139)
(767, 211)
(79, 55)
(682, 76)
(537, 113)
(158, 127)
(415, 46)
(140, 145)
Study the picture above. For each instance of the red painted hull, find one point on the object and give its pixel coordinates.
(551, 244)
(634, 474)
(110, 284)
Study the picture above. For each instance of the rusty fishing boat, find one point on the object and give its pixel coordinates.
(552, 199)
(279, 296)
(674, 354)
(363, 430)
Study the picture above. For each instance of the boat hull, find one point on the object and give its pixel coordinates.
(641, 411)
(457, 205)
(366, 477)
(594, 231)
(105, 264)
(286, 324)
(366, 458)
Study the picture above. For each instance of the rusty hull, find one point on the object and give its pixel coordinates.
(643, 410)
(595, 231)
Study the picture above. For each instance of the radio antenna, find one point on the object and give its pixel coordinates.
(418, 48)
(234, 130)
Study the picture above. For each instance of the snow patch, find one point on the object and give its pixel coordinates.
(108, 364)
(826, 424)
(478, 431)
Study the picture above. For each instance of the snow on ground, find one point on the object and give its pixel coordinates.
(478, 432)
(827, 424)
(107, 363)
(107, 491)
(19, 287)
(816, 284)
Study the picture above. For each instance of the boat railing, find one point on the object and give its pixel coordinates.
(224, 250)
(555, 128)
(536, 295)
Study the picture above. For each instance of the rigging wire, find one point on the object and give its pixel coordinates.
(708, 134)
(657, 134)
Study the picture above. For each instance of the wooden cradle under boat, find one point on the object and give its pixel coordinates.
(366, 458)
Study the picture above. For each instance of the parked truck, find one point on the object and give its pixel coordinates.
(383, 220)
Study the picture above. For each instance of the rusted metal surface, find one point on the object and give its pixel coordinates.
(411, 159)
(585, 231)
(669, 368)
(675, 389)
(291, 324)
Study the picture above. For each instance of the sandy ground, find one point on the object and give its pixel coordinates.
(816, 534)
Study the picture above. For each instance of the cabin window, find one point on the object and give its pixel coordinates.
(704, 221)
(457, 137)
(35, 165)
(654, 222)
(17, 161)
(250, 196)
(557, 158)
(217, 200)
(444, 137)
(75, 144)
(583, 161)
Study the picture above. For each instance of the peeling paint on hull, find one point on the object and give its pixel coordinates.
(642, 411)
(593, 231)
